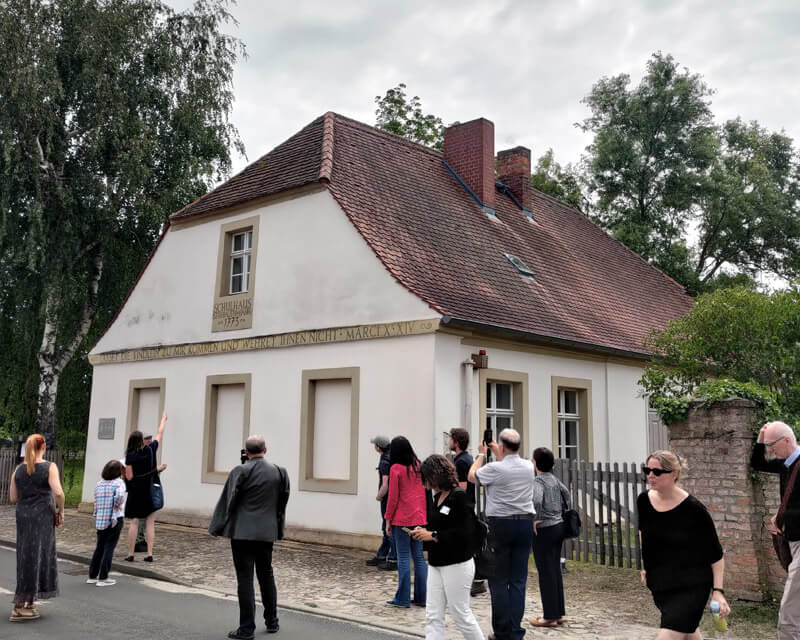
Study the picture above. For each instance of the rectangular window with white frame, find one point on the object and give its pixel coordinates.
(236, 275)
(499, 406)
(572, 418)
(569, 424)
(241, 253)
(503, 404)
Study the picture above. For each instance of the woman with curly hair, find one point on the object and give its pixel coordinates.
(682, 558)
(448, 540)
(405, 509)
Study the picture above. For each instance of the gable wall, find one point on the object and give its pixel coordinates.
(314, 270)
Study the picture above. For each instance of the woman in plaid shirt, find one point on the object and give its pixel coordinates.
(109, 507)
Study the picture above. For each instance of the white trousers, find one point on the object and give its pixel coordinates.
(789, 616)
(448, 590)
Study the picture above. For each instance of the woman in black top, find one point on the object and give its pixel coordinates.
(682, 557)
(448, 540)
(141, 471)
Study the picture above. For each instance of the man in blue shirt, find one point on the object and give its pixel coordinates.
(776, 451)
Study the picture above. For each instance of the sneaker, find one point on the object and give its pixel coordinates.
(91, 580)
(374, 562)
(273, 627)
(108, 582)
(388, 566)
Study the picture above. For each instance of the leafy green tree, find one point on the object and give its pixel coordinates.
(653, 146)
(661, 172)
(562, 183)
(749, 214)
(732, 334)
(397, 114)
(115, 113)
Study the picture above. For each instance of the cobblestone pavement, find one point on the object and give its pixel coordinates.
(335, 581)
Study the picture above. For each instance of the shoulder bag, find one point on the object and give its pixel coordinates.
(483, 546)
(779, 541)
(156, 490)
(572, 521)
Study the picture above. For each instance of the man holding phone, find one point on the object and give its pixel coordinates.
(509, 509)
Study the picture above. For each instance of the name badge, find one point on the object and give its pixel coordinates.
(444, 510)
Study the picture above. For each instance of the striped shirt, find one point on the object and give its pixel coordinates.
(109, 502)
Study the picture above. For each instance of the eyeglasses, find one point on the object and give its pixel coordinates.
(773, 443)
(656, 472)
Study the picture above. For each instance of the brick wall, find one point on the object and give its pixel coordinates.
(514, 170)
(717, 443)
(469, 150)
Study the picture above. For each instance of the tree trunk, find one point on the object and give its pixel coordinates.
(52, 360)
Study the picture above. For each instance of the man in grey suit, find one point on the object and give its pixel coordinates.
(250, 512)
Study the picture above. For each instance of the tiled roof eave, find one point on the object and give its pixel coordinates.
(542, 339)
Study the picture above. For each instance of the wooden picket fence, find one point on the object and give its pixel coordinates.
(605, 497)
(8, 463)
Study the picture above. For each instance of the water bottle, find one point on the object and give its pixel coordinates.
(720, 623)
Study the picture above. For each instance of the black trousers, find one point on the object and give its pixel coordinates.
(104, 551)
(547, 554)
(250, 555)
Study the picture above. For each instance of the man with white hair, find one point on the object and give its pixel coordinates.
(776, 451)
(509, 509)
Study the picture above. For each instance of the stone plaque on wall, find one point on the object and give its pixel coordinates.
(233, 312)
(105, 430)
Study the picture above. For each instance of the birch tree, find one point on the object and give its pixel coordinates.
(114, 114)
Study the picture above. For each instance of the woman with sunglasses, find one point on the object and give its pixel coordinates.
(682, 557)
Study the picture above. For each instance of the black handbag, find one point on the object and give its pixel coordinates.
(572, 521)
(156, 490)
(483, 545)
(484, 552)
(779, 541)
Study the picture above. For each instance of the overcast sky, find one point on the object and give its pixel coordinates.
(525, 65)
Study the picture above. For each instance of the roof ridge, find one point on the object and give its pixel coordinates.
(394, 137)
(326, 160)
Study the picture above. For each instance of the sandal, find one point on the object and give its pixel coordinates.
(23, 614)
(541, 622)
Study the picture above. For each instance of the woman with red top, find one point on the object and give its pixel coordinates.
(406, 509)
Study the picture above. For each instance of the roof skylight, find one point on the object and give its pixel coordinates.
(523, 268)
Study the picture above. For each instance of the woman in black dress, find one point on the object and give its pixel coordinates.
(683, 560)
(141, 467)
(36, 488)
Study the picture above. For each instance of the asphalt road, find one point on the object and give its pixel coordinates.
(141, 609)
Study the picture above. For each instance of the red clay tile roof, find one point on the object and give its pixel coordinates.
(437, 242)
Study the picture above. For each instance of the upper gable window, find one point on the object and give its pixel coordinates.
(241, 259)
(236, 275)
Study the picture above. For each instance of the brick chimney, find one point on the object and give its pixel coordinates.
(469, 150)
(514, 171)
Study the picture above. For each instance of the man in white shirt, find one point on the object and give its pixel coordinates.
(509, 508)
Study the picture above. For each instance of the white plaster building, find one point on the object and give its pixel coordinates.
(338, 288)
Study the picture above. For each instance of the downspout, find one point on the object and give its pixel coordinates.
(608, 426)
(466, 416)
